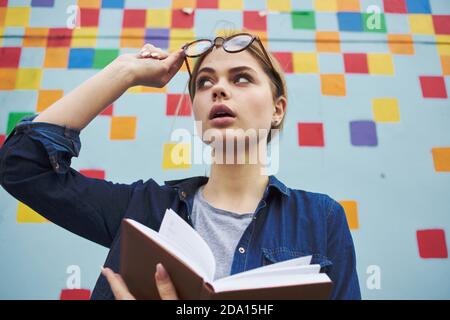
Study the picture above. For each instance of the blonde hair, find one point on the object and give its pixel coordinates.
(276, 75)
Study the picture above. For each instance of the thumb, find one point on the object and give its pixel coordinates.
(175, 60)
(164, 284)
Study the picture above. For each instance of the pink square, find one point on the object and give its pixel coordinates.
(59, 37)
(356, 63)
(253, 21)
(394, 6)
(208, 4)
(89, 17)
(441, 24)
(310, 134)
(133, 18)
(433, 87)
(432, 244)
(10, 57)
(181, 19)
(285, 60)
(172, 103)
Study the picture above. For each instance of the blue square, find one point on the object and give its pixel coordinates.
(418, 6)
(158, 37)
(81, 58)
(350, 21)
(113, 4)
(32, 57)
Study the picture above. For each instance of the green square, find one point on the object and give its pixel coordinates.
(369, 19)
(15, 117)
(103, 57)
(303, 20)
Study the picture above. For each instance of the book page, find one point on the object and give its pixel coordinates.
(187, 240)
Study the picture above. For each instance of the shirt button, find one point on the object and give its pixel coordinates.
(183, 194)
(241, 250)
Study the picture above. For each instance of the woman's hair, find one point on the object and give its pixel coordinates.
(277, 79)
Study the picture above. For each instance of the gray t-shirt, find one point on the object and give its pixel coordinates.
(221, 230)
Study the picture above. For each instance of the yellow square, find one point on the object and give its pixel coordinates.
(158, 18)
(325, 5)
(132, 38)
(47, 97)
(8, 78)
(176, 156)
(348, 5)
(385, 110)
(2, 16)
(154, 90)
(380, 63)
(443, 45)
(27, 215)
(351, 212)
(277, 5)
(123, 128)
(179, 37)
(421, 24)
(35, 37)
(231, 4)
(441, 159)
(180, 4)
(305, 62)
(401, 43)
(333, 84)
(445, 62)
(328, 41)
(56, 57)
(84, 37)
(89, 3)
(17, 17)
(28, 78)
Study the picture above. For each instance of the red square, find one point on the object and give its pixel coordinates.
(172, 103)
(441, 24)
(89, 17)
(3, 3)
(108, 111)
(2, 139)
(133, 18)
(59, 37)
(75, 294)
(310, 134)
(433, 87)
(208, 4)
(285, 60)
(253, 21)
(181, 19)
(394, 6)
(93, 173)
(356, 63)
(10, 57)
(432, 243)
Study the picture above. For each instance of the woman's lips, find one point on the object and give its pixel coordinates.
(222, 121)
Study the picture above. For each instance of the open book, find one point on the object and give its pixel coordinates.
(191, 266)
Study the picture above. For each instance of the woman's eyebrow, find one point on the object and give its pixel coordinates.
(232, 70)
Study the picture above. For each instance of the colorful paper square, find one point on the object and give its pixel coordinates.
(418, 6)
(14, 118)
(254, 21)
(176, 156)
(385, 110)
(123, 128)
(441, 159)
(350, 21)
(394, 6)
(56, 58)
(81, 58)
(433, 87)
(48, 97)
(134, 18)
(305, 62)
(10, 57)
(28, 78)
(356, 63)
(158, 18)
(401, 44)
(310, 134)
(351, 213)
(175, 101)
(303, 20)
(181, 19)
(328, 41)
(421, 24)
(363, 133)
(103, 57)
(333, 84)
(27, 215)
(441, 24)
(380, 63)
(285, 60)
(432, 244)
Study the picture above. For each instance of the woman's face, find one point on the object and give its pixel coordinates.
(237, 81)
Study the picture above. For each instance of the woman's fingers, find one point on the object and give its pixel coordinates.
(149, 50)
(164, 284)
(118, 286)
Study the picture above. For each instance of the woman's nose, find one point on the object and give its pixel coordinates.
(219, 91)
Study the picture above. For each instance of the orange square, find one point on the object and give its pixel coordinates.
(8, 78)
(333, 84)
(445, 62)
(35, 37)
(56, 57)
(180, 4)
(441, 159)
(154, 90)
(123, 128)
(348, 5)
(47, 97)
(351, 212)
(132, 38)
(89, 3)
(328, 42)
(2, 16)
(401, 43)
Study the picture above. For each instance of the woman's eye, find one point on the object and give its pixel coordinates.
(201, 82)
(242, 76)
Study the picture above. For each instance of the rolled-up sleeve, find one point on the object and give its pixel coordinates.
(341, 251)
(35, 168)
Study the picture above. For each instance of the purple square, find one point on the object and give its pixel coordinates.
(363, 133)
(157, 37)
(42, 3)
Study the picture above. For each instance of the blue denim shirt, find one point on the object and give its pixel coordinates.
(288, 223)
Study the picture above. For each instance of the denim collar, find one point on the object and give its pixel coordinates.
(188, 186)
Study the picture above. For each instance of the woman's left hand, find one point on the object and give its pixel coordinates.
(164, 284)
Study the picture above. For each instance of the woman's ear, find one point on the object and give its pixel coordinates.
(279, 110)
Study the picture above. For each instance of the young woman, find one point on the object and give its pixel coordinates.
(249, 219)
